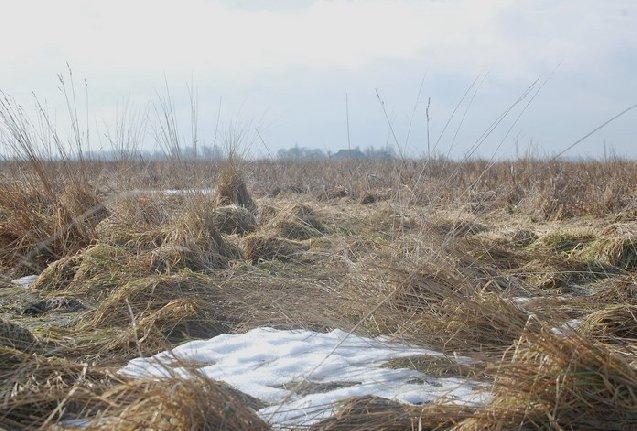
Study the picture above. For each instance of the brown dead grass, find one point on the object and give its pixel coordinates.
(614, 323)
(430, 265)
(372, 413)
(267, 247)
(231, 188)
(15, 336)
(158, 309)
(615, 246)
(296, 221)
(58, 275)
(232, 219)
(175, 404)
(42, 225)
(39, 391)
(5, 282)
(557, 382)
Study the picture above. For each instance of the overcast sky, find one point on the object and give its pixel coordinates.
(284, 67)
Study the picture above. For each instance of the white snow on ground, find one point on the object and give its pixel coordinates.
(521, 300)
(25, 281)
(272, 365)
(567, 327)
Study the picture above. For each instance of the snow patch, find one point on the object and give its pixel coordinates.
(522, 299)
(26, 281)
(567, 327)
(273, 365)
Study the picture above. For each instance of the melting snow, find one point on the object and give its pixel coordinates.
(566, 327)
(25, 281)
(273, 365)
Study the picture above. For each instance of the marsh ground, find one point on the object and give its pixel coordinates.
(528, 268)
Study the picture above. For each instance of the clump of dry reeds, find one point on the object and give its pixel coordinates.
(521, 237)
(51, 392)
(616, 290)
(58, 275)
(388, 217)
(136, 222)
(38, 389)
(297, 221)
(267, 247)
(616, 246)
(558, 382)
(373, 413)
(419, 288)
(171, 257)
(15, 336)
(456, 226)
(231, 188)
(42, 224)
(266, 213)
(94, 272)
(193, 403)
(202, 237)
(5, 281)
(550, 272)
(191, 239)
(336, 192)
(614, 323)
(155, 310)
(483, 322)
(566, 241)
(447, 298)
(230, 219)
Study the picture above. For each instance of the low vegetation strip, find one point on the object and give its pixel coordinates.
(284, 296)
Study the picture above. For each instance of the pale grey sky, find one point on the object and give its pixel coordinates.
(284, 66)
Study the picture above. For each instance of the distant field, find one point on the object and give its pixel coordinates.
(478, 295)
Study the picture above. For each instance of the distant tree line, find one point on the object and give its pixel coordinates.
(215, 152)
(302, 153)
(202, 152)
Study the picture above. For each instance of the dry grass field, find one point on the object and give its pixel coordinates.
(527, 268)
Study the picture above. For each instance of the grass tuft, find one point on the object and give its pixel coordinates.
(557, 382)
(265, 247)
(15, 336)
(232, 189)
(615, 323)
(296, 221)
(231, 219)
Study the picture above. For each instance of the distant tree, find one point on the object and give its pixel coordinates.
(212, 153)
(300, 153)
(386, 153)
(349, 154)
